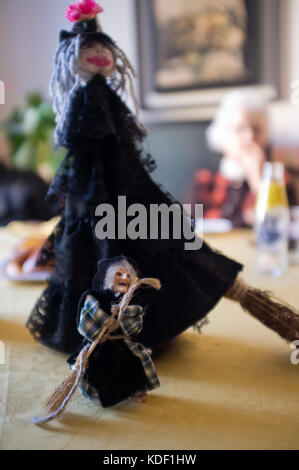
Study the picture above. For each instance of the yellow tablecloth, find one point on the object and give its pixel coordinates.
(231, 387)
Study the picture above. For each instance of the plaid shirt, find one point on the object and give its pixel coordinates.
(223, 198)
(93, 319)
(220, 197)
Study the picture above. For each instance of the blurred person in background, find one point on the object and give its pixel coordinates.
(22, 193)
(239, 133)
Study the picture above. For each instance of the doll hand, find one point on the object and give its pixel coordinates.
(114, 310)
(111, 322)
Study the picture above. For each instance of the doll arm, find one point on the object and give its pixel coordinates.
(92, 319)
(132, 321)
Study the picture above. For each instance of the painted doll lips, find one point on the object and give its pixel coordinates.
(100, 61)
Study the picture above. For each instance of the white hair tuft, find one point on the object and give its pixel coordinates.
(109, 278)
(246, 99)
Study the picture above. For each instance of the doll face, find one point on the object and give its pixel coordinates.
(96, 58)
(122, 280)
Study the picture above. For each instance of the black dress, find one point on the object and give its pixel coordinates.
(105, 161)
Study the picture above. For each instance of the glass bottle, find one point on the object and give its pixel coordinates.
(272, 220)
(294, 236)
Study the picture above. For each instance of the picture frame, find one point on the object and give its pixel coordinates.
(166, 51)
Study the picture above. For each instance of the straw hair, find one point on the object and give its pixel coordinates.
(110, 274)
(263, 305)
(58, 400)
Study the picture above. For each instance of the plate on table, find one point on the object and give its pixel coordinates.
(36, 276)
(33, 229)
(20, 264)
(213, 226)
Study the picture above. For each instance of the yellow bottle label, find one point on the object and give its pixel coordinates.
(272, 196)
(277, 195)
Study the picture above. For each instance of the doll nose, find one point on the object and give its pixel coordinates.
(125, 276)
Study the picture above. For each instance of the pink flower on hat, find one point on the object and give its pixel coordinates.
(83, 10)
(73, 13)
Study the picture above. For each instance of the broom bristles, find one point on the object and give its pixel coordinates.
(55, 400)
(59, 399)
(265, 307)
(275, 315)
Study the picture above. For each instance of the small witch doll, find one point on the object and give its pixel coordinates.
(105, 160)
(111, 364)
(121, 367)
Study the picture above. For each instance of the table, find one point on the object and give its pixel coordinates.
(231, 387)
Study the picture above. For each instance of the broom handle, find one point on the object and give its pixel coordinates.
(96, 342)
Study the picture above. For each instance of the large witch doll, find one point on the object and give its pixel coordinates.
(104, 161)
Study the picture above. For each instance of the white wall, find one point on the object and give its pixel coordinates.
(29, 36)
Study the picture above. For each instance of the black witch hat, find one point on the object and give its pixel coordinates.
(83, 14)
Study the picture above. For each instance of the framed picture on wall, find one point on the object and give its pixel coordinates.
(192, 51)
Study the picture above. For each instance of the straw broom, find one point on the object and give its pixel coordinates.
(58, 400)
(265, 307)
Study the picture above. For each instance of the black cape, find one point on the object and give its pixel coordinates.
(104, 160)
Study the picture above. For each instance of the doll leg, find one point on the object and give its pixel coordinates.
(140, 397)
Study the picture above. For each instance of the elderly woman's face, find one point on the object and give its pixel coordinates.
(244, 129)
(122, 280)
(95, 58)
